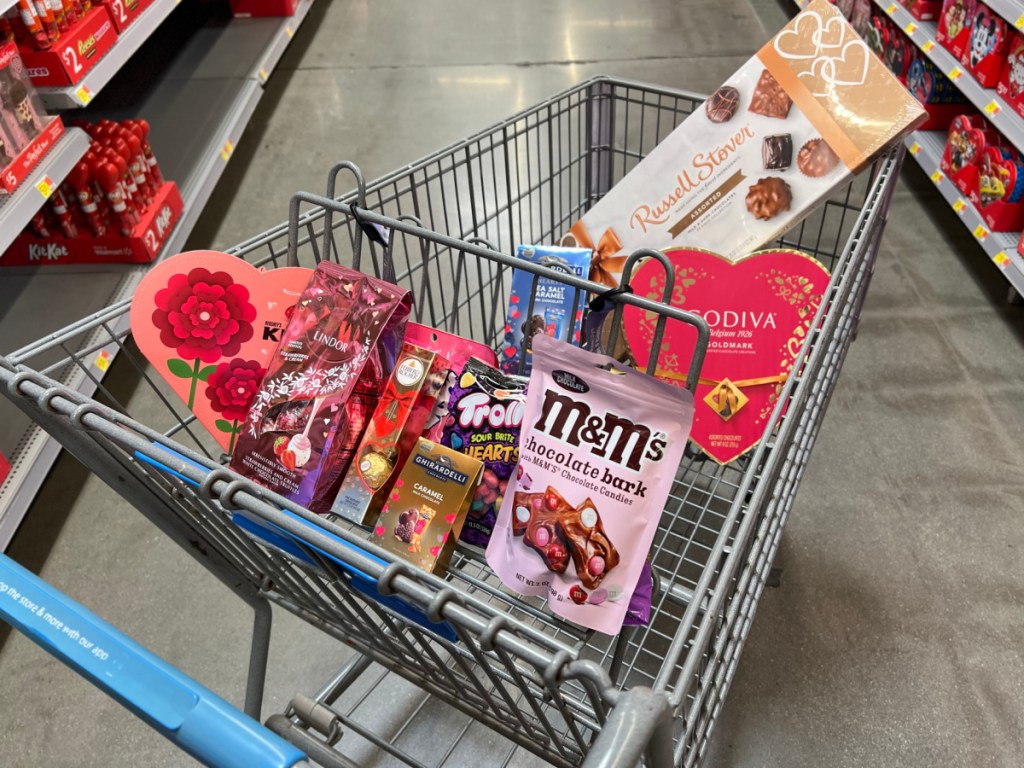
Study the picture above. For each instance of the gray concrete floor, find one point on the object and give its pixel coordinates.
(894, 636)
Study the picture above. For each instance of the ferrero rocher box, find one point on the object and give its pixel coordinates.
(814, 106)
(399, 419)
(424, 513)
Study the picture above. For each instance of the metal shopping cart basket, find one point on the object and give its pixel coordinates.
(560, 692)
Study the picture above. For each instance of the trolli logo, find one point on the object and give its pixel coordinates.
(609, 437)
(47, 252)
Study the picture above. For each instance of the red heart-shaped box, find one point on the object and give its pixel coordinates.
(760, 309)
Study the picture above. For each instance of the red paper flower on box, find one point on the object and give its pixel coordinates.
(231, 388)
(203, 316)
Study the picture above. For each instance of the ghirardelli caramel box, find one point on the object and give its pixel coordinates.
(424, 513)
(811, 108)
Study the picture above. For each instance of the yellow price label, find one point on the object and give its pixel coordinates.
(955, 73)
(1019, 23)
(264, 74)
(937, 177)
(45, 187)
(83, 94)
(992, 108)
(1001, 259)
(891, 9)
(103, 360)
(927, 45)
(289, 31)
(980, 233)
(228, 149)
(959, 205)
(915, 149)
(911, 28)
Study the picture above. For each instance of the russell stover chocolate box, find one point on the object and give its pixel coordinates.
(397, 423)
(423, 516)
(811, 108)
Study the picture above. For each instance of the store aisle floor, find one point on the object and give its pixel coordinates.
(893, 637)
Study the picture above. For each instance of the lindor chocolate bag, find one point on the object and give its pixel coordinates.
(598, 454)
(792, 124)
(322, 385)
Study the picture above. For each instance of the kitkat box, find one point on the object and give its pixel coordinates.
(954, 29)
(813, 107)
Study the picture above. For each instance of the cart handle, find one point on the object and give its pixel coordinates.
(281, 539)
(196, 720)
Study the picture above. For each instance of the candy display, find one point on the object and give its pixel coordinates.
(704, 186)
(424, 513)
(990, 45)
(59, 54)
(397, 423)
(552, 310)
(598, 456)
(954, 28)
(1011, 80)
(322, 385)
(484, 421)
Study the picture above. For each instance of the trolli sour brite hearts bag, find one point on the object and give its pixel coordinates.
(597, 457)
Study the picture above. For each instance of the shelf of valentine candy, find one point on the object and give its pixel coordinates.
(114, 206)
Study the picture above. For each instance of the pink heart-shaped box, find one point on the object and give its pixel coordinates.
(209, 322)
(760, 309)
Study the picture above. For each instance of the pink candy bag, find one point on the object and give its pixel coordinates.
(598, 453)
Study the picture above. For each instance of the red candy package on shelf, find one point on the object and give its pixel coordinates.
(923, 10)
(1011, 80)
(457, 351)
(485, 415)
(954, 29)
(322, 385)
(599, 451)
(990, 44)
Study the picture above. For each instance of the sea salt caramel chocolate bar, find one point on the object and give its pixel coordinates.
(593, 554)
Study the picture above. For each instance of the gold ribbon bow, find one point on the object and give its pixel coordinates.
(605, 267)
(726, 397)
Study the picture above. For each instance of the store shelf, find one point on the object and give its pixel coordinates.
(82, 93)
(926, 148)
(18, 208)
(212, 85)
(1011, 10)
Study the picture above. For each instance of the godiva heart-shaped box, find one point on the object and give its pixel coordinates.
(208, 323)
(760, 309)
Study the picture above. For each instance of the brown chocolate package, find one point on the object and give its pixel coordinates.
(322, 385)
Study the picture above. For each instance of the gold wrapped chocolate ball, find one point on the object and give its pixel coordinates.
(375, 468)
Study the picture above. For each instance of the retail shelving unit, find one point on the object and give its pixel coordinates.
(83, 92)
(18, 208)
(197, 110)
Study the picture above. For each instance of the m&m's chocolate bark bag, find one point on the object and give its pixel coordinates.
(598, 454)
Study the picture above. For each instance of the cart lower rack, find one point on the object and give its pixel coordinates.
(505, 661)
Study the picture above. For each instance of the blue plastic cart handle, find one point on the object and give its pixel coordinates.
(287, 543)
(195, 719)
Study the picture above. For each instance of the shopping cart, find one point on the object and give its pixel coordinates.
(563, 693)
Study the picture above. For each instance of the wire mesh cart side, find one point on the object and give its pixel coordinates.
(506, 662)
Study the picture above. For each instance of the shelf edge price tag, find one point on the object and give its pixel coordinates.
(289, 31)
(891, 9)
(959, 205)
(911, 28)
(1019, 23)
(956, 73)
(102, 360)
(263, 74)
(915, 149)
(83, 94)
(992, 108)
(45, 187)
(980, 233)
(1001, 259)
(225, 153)
(927, 45)
(937, 177)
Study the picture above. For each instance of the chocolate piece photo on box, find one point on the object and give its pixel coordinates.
(593, 554)
(769, 98)
(721, 105)
(777, 152)
(769, 197)
(545, 533)
(816, 158)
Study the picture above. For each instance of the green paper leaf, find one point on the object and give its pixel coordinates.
(224, 426)
(179, 368)
(204, 373)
